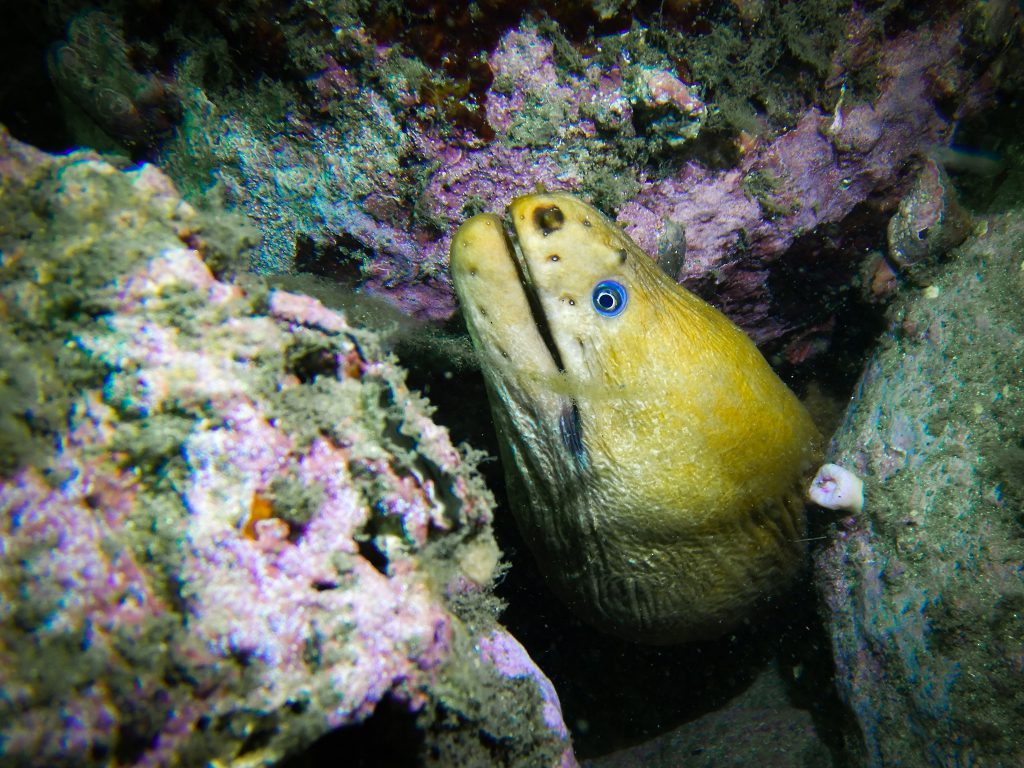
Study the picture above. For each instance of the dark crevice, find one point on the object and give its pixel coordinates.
(389, 737)
(373, 555)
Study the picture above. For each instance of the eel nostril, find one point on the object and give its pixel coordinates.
(548, 219)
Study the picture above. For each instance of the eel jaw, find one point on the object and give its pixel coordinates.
(486, 260)
(486, 272)
(540, 319)
(570, 427)
(518, 356)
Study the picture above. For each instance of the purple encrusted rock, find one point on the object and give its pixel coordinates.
(228, 527)
(511, 660)
(377, 189)
(815, 174)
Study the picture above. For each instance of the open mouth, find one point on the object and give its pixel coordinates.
(540, 319)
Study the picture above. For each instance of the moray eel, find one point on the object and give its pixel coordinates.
(655, 462)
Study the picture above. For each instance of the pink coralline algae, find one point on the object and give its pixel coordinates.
(923, 587)
(511, 660)
(381, 188)
(666, 88)
(246, 531)
(815, 174)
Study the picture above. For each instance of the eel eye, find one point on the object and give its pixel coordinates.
(609, 298)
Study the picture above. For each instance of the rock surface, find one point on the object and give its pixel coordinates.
(924, 590)
(758, 727)
(358, 137)
(228, 527)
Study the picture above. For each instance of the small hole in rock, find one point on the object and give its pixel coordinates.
(375, 557)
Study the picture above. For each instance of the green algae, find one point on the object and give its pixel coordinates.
(58, 287)
(774, 68)
(766, 187)
(482, 718)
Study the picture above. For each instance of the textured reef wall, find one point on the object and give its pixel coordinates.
(925, 589)
(357, 138)
(228, 528)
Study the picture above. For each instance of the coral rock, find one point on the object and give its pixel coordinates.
(924, 588)
(228, 526)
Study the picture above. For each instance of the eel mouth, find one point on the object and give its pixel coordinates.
(570, 424)
(540, 319)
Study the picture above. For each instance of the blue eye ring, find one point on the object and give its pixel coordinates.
(609, 298)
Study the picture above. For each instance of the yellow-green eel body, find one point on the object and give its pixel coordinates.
(654, 460)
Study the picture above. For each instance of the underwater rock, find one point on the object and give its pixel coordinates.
(229, 528)
(928, 222)
(758, 727)
(924, 589)
(371, 157)
(769, 738)
(739, 219)
(115, 103)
